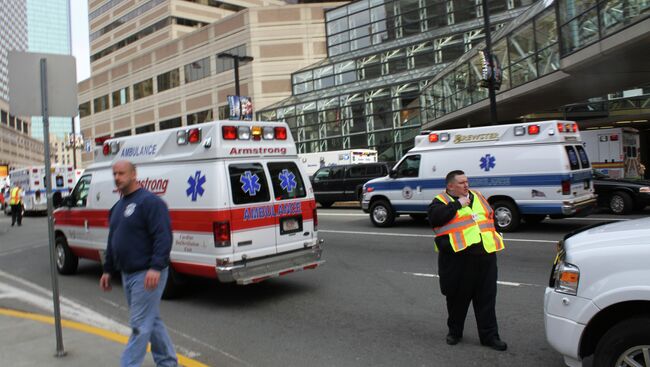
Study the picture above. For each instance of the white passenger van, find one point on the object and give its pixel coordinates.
(32, 181)
(527, 170)
(242, 209)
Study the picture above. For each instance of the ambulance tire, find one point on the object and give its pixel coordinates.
(620, 203)
(326, 204)
(534, 218)
(382, 213)
(627, 340)
(174, 286)
(506, 216)
(66, 261)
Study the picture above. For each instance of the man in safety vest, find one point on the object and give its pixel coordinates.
(16, 202)
(467, 242)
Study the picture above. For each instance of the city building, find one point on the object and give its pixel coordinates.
(381, 54)
(48, 30)
(62, 152)
(155, 65)
(17, 147)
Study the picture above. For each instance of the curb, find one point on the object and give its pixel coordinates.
(84, 328)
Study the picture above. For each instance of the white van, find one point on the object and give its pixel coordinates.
(32, 181)
(527, 170)
(242, 209)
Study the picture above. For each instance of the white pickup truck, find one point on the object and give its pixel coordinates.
(598, 300)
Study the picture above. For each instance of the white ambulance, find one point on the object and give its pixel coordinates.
(32, 181)
(614, 152)
(242, 209)
(527, 170)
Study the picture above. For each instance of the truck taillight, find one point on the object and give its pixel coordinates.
(221, 232)
(315, 220)
(566, 187)
(281, 133)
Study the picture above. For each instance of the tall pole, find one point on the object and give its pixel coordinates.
(74, 146)
(236, 64)
(50, 220)
(488, 49)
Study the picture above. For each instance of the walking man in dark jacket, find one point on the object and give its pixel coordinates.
(139, 243)
(467, 243)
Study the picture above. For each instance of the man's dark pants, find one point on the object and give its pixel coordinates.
(466, 278)
(17, 214)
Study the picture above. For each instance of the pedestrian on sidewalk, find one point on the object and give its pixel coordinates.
(467, 242)
(139, 243)
(16, 203)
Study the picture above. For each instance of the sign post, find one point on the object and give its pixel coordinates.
(24, 82)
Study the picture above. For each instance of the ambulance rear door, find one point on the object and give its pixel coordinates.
(293, 209)
(253, 220)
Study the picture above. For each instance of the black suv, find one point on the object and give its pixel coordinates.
(620, 195)
(344, 183)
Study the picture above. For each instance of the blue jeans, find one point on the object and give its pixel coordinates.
(146, 324)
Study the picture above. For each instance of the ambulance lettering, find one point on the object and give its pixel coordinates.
(157, 186)
(269, 211)
(256, 151)
(143, 150)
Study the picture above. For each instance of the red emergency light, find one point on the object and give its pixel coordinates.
(433, 138)
(280, 133)
(229, 132)
(533, 129)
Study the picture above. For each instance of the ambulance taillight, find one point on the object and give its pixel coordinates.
(221, 233)
(566, 187)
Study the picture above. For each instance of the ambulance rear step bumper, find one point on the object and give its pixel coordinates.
(255, 271)
(581, 208)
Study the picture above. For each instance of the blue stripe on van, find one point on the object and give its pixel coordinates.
(487, 181)
(525, 209)
(43, 191)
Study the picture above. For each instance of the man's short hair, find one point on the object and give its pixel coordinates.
(451, 176)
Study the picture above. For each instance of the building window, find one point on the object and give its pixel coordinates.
(169, 80)
(84, 109)
(145, 129)
(224, 112)
(25, 127)
(12, 121)
(142, 89)
(122, 133)
(121, 97)
(100, 103)
(4, 118)
(19, 124)
(227, 63)
(199, 117)
(171, 123)
(197, 70)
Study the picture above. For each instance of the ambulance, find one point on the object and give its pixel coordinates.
(526, 171)
(614, 152)
(242, 209)
(32, 181)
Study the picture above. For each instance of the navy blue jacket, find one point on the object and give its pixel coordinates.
(140, 234)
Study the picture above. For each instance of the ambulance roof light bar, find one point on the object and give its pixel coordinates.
(435, 137)
(230, 132)
(530, 129)
(188, 136)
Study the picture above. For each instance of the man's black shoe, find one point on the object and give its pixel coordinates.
(496, 344)
(453, 340)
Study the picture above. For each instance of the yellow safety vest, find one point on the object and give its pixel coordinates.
(15, 196)
(471, 225)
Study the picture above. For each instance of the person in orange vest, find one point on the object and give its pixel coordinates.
(467, 243)
(16, 202)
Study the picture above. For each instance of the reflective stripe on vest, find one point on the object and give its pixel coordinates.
(15, 196)
(471, 225)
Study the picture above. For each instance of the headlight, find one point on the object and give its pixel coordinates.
(567, 277)
(644, 189)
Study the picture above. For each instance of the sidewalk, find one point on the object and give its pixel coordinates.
(28, 339)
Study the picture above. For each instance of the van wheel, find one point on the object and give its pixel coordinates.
(66, 261)
(620, 203)
(382, 214)
(326, 204)
(625, 344)
(534, 218)
(506, 216)
(173, 287)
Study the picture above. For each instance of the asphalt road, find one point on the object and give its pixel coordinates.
(376, 302)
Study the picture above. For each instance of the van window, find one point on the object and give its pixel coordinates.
(336, 173)
(410, 166)
(322, 174)
(374, 170)
(573, 157)
(248, 183)
(357, 171)
(584, 160)
(287, 181)
(80, 193)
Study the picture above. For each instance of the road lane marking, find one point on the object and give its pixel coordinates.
(423, 235)
(88, 329)
(501, 282)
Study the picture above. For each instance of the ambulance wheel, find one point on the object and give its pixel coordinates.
(66, 261)
(326, 204)
(506, 216)
(534, 218)
(174, 285)
(620, 203)
(624, 344)
(382, 214)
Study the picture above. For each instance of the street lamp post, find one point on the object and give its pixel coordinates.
(488, 49)
(236, 60)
